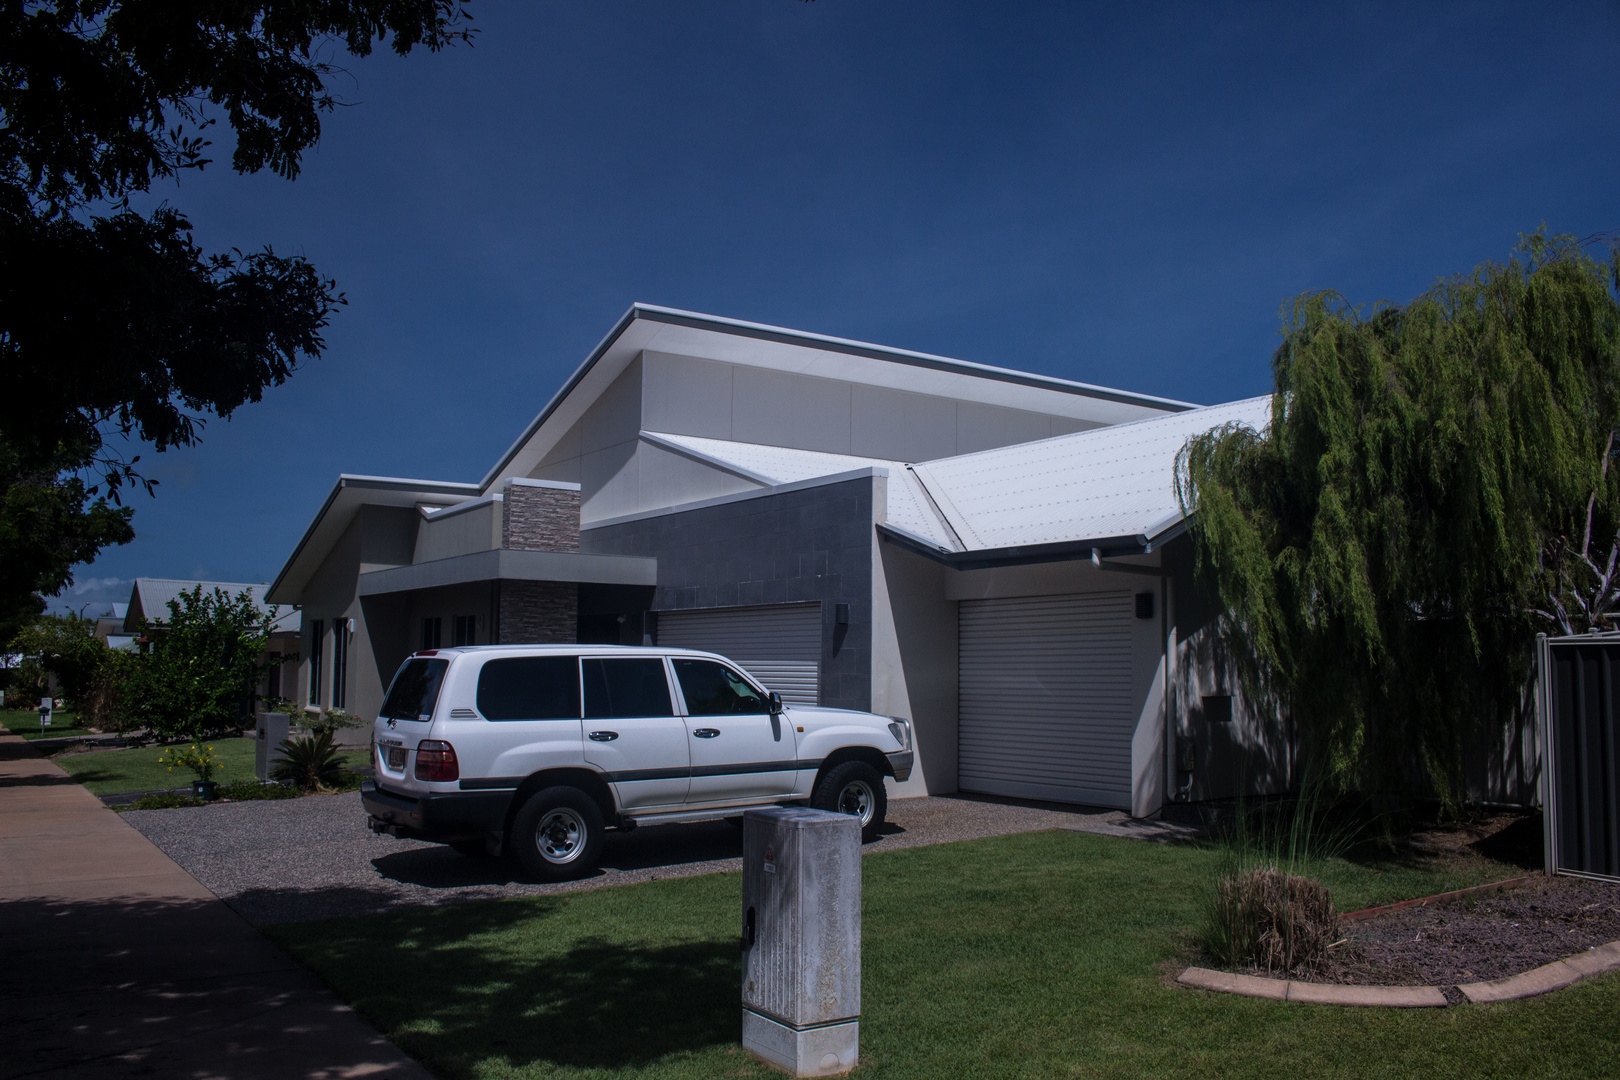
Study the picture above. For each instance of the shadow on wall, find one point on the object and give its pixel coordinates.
(480, 988)
(1238, 748)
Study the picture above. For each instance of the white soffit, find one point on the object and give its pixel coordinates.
(1107, 482)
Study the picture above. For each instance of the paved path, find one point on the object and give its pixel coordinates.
(115, 962)
(314, 858)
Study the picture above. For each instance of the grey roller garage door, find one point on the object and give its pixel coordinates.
(780, 645)
(1046, 698)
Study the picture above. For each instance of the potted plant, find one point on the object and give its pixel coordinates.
(200, 760)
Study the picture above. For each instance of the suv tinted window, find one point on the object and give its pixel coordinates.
(415, 690)
(713, 689)
(530, 688)
(633, 686)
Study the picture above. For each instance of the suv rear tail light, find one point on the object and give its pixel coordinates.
(436, 761)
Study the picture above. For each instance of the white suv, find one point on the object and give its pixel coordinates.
(537, 749)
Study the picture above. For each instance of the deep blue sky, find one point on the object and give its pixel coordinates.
(1122, 195)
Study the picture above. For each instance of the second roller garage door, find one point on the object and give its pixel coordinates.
(1045, 696)
(778, 644)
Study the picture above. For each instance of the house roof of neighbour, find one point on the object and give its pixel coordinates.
(689, 333)
(1112, 486)
(150, 597)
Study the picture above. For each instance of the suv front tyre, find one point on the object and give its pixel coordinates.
(854, 788)
(557, 833)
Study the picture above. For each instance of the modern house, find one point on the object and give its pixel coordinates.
(148, 610)
(997, 555)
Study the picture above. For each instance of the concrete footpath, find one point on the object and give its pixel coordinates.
(114, 962)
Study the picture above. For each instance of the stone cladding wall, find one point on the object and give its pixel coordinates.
(537, 612)
(539, 518)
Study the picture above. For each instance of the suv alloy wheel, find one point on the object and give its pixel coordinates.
(854, 788)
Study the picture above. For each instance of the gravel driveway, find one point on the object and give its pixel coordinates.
(314, 858)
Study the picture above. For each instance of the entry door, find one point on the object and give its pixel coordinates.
(1045, 698)
(739, 750)
(632, 733)
(778, 644)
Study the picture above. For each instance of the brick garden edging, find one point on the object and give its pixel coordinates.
(1541, 980)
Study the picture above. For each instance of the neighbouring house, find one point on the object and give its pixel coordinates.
(149, 605)
(110, 627)
(996, 554)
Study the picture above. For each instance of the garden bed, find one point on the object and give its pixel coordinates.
(1476, 938)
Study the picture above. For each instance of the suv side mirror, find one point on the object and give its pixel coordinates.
(776, 703)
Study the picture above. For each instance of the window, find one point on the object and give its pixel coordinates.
(317, 635)
(616, 689)
(466, 629)
(713, 689)
(415, 690)
(432, 632)
(340, 661)
(530, 688)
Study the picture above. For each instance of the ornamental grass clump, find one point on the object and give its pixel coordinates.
(1278, 922)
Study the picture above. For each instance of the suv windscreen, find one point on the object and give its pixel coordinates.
(530, 688)
(623, 688)
(713, 689)
(415, 690)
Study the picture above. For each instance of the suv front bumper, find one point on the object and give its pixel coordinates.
(440, 816)
(901, 764)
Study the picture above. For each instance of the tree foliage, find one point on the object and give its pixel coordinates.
(88, 673)
(197, 679)
(114, 321)
(1422, 492)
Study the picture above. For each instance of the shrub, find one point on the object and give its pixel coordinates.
(330, 720)
(245, 790)
(310, 761)
(1276, 921)
(202, 762)
(205, 659)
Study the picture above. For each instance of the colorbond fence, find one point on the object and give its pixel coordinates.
(1577, 709)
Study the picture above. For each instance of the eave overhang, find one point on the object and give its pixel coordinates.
(505, 564)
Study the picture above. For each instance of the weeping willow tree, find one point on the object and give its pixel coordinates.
(1433, 487)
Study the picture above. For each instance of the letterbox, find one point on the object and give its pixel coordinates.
(271, 732)
(801, 991)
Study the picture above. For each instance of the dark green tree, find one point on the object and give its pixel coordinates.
(114, 322)
(1432, 488)
(197, 678)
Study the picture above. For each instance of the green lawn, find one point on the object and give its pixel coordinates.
(1031, 956)
(25, 722)
(112, 771)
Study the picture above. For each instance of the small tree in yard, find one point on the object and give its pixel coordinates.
(89, 673)
(198, 677)
(1434, 486)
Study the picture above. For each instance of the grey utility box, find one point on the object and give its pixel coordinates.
(801, 992)
(272, 731)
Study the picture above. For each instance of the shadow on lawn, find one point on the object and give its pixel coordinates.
(599, 1004)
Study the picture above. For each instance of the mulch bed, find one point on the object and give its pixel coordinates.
(1476, 939)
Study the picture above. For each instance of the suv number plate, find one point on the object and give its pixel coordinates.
(396, 757)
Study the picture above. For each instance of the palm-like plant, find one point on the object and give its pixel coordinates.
(309, 761)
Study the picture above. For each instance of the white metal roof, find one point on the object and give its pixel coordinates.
(1108, 482)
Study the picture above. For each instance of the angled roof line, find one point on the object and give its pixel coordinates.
(784, 336)
(375, 483)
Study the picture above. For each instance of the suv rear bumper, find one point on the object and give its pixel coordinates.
(441, 816)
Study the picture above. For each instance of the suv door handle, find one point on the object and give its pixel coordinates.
(706, 732)
(603, 736)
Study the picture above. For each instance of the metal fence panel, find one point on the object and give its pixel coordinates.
(1580, 721)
